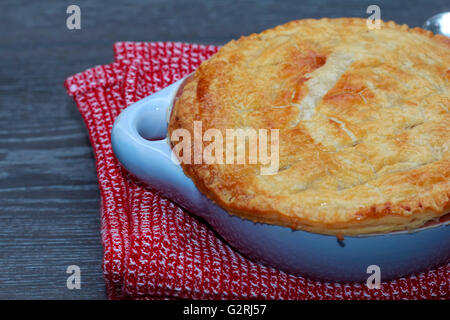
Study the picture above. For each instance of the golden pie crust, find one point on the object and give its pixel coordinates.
(364, 120)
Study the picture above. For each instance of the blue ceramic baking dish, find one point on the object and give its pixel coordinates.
(140, 144)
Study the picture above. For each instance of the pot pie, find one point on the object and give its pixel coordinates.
(363, 118)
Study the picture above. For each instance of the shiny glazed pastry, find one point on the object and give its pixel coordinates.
(363, 118)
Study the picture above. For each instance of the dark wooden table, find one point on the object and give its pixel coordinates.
(49, 198)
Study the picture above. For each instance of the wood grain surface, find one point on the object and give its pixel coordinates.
(49, 198)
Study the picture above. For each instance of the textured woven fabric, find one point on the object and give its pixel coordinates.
(152, 248)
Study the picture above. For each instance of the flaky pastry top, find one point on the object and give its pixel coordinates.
(363, 118)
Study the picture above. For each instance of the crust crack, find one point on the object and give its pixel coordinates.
(320, 82)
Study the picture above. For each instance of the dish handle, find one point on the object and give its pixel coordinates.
(138, 138)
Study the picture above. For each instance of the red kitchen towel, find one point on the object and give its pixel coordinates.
(154, 249)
